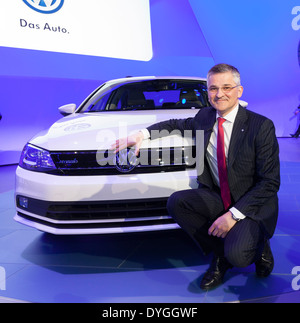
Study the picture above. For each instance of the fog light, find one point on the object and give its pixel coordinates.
(23, 202)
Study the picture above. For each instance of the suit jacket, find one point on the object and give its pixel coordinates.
(253, 162)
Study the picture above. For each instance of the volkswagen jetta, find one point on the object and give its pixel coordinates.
(69, 181)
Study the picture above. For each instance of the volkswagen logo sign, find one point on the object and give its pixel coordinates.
(44, 6)
(125, 160)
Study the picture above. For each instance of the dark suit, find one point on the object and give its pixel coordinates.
(253, 174)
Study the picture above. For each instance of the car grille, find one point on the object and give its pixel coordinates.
(97, 214)
(104, 162)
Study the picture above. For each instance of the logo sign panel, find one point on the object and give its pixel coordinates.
(116, 28)
(45, 6)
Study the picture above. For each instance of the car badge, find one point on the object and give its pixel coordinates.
(125, 160)
(67, 162)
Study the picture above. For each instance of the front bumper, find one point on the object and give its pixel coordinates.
(98, 204)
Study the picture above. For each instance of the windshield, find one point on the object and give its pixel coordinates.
(150, 95)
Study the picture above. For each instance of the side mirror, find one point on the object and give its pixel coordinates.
(244, 104)
(67, 109)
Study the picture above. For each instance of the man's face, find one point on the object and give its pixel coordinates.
(223, 93)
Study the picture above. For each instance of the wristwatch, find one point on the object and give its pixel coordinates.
(235, 218)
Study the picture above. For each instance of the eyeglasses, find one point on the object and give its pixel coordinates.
(225, 89)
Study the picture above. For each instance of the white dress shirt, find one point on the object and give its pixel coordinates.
(211, 153)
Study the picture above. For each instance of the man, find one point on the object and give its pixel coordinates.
(297, 133)
(234, 211)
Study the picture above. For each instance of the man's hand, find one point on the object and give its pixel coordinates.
(222, 225)
(132, 140)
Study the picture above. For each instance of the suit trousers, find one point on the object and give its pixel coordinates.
(195, 210)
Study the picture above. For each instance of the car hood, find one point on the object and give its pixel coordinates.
(94, 131)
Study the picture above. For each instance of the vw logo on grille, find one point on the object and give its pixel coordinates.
(125, 160)
(45, 6)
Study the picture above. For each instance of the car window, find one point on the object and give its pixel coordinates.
(152, 95)
(98, 104)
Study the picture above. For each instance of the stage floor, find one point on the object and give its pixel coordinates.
(145, 267)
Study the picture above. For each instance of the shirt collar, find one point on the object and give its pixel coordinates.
(231, 115)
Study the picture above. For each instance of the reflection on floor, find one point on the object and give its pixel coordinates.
(144, 267)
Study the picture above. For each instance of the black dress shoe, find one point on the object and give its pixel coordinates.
(215, 273)
(265, 265)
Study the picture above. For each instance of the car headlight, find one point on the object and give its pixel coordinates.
(36, 159)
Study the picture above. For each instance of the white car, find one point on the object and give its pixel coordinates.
(69, 181)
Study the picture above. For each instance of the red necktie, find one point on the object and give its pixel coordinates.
(222, 168)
